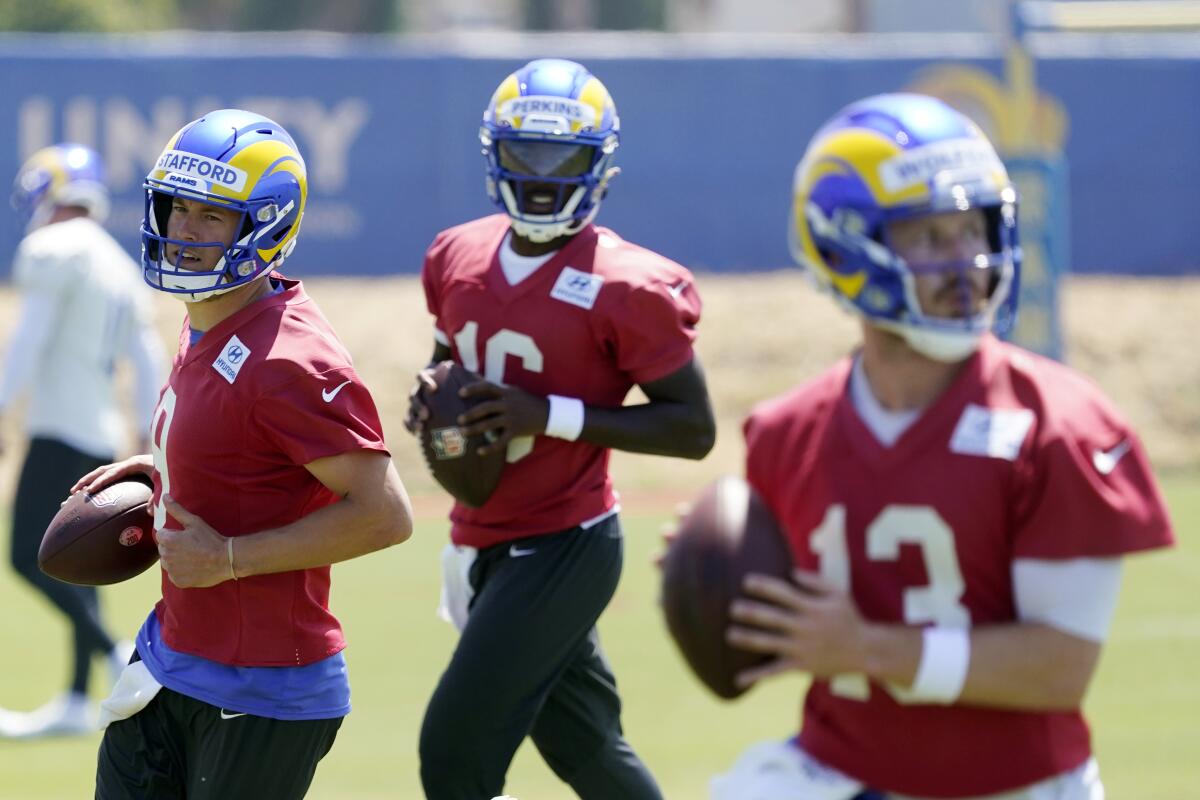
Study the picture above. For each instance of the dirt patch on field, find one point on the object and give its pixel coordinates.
(761, 334)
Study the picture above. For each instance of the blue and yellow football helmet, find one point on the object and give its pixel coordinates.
(235, 159)
(893, 157)
(61, 175)
(549, 135)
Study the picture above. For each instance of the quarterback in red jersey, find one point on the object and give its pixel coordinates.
(561, 318)
(957, 508)
(268, 465)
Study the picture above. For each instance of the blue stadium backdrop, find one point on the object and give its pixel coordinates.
(708, 147)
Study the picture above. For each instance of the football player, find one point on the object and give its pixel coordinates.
(268, 464)
(562, 318)
(958, 508)
(83, 308)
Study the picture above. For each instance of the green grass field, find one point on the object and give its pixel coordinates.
(1144, 704)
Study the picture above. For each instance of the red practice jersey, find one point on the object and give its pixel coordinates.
(600, 316)
(1020, 458)
(263, 393)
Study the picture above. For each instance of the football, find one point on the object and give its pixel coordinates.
(728, 533)
(102, 538)
(453, 458)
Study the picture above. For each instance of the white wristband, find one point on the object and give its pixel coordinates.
(565, 420)
(945, 659)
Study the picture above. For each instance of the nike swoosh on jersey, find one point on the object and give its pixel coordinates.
(677, 289)
(328, 396)
(517, 552)
(226, 715)
(1105, 461)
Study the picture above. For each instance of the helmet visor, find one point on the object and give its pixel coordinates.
(545, 159)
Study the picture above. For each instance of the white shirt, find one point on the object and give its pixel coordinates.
(517, 267)
(84, 306)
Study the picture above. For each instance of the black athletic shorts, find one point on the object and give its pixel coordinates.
(178, 747)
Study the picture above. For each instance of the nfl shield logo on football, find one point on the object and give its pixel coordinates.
(448, 443)
(130, 536)
(105, 497)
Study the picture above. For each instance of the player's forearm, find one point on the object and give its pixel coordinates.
(1028, 665)
(351, 527)
(660, 427)
(1017, 666)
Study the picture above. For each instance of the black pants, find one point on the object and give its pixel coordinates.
(529, 663)
(178, 747)
(50, 470)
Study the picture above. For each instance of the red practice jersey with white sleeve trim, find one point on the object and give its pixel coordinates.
(1020, 457)
(263, 393)
(599, 317)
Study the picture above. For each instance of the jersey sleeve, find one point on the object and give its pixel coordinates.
(653, 327)
(1088, 491)
(431, 282)
(316, 416)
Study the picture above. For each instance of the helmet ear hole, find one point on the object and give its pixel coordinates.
(162, 210)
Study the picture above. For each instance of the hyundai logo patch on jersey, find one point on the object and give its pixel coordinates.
(232, 357)
(577, 288)
(992, 432)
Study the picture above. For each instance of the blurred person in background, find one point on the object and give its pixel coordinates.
(83, 307)
(268, 463)
(958, 508)
(563, 318)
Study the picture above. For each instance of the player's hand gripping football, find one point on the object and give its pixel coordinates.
(812, 626)
(194, 556)
(502, 414)
(109, 474)
(417, 411)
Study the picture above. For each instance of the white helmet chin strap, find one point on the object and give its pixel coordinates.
(541, 232)
(547, 227)
(196, 283)
(944, 346)
(544, 227)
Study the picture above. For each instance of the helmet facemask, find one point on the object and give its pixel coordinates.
(549, 188)
(857, 241)
(966, 296)
(238, 264)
